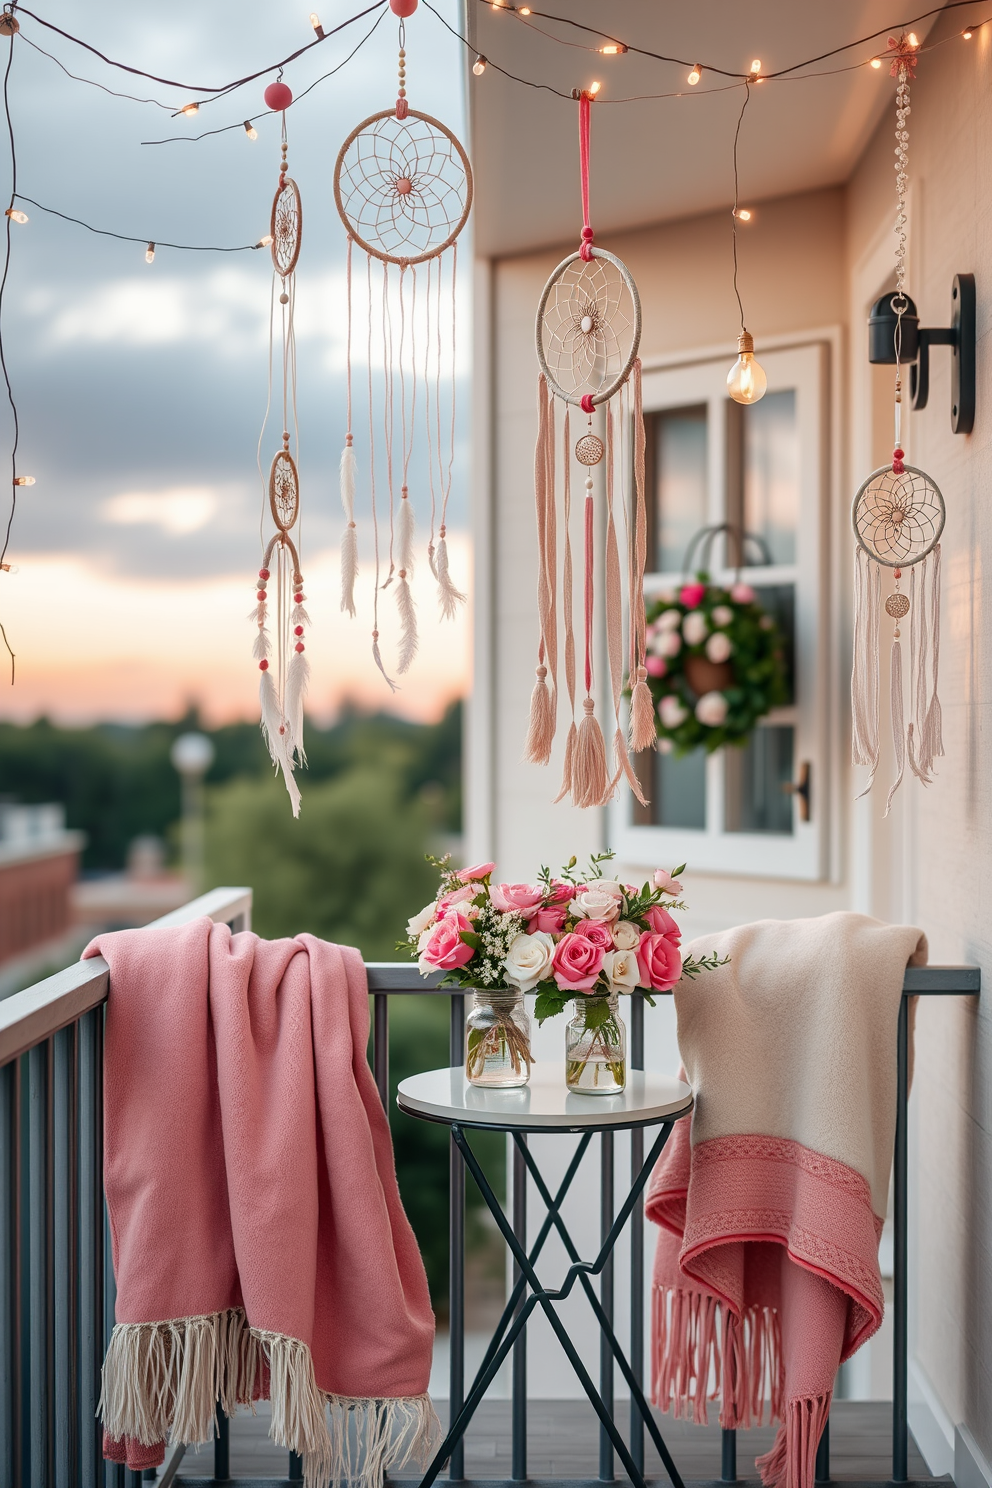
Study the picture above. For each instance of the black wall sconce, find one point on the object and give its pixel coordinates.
(917, 341)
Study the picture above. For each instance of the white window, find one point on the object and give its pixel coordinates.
(761, 469)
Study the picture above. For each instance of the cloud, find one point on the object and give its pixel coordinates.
(177, 512)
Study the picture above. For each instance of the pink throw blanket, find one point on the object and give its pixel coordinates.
(259, 1243)
(766, 1274)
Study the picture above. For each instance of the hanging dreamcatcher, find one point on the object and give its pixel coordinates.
(403, 188)
(898, 520)
(588, 334)
(279, 646)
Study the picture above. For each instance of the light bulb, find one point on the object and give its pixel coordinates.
(913, 39)
(479, 66)
(613, 49)
(694, 75)
(876, 62)
(23, 480)
(250, 130)
(11, 568)
(756, 65)
(150, 253)
(264, 242)
(190, 108)
(524, 10)
(315, 23)
(594, 88)
(746, 380)
(968, 34)
(16, 215)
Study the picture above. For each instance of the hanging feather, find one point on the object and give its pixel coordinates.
(349, 540)
(276, 734)
(404, 598)
(450, 597)
(297, 682)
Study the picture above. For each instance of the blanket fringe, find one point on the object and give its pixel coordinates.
(165, 1379)
(791, 1463)
(702, 1351)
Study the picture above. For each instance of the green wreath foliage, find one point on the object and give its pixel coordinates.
(756, 658)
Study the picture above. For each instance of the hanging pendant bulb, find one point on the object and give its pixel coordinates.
(746, 380)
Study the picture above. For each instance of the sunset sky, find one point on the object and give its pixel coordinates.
(141, 388)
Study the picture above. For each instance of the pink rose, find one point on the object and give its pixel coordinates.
(662, 923)
(446, 950)
(551, 919)
(663, 880)
(481, 870)
(656, 666)
(516, 898)
(691, 595)
(742, 593)
(659, 962)
(577, 963)
(562, 891)
(595, 930)
(457, 896)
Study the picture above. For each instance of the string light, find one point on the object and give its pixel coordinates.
(190, 109)
(594, 89)
(524, 10)
(913, 39)
(876, 62)
(613, 49)
(15, 215)
(968, 34)
(756, 66)
(479, 66)
(315, 23)
(10, 568)
(694, 75)
(250, 130)
(744, 215)
(150, 253)
(23, 480)
(264, 242)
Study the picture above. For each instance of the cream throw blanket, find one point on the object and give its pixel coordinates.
(766, 1274)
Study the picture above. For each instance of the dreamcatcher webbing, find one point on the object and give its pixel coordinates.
(403, 189)
(285, 671)
(898, 516)
(588, 331)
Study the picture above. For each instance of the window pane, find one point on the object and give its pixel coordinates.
(771, 473)
(780, 602)
(679, 794)
(680, 483)
(755, 776)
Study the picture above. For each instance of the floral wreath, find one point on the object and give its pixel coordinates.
(715, 662)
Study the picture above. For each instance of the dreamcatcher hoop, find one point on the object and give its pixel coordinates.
(571, 297)
(284, 491)
(898, 516)
(374, 179)
(286, 227)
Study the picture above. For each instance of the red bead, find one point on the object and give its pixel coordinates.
(403, 8)
(898, 468)
(263, 573)
(897, 573)
(300, 646)
(898, 454)
(298, 630)
(299, 598)
(263, 666)
(260, 594)
(278, 96)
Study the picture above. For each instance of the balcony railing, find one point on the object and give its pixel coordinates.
(56, 1280)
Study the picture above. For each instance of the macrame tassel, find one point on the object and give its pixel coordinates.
(642, 730)
(590, 777)
(791, 1463)
(567, 610)
(449, 596)
(541, 726)
(568, 768)
(624, 769)
(275, 731)
(864, 674)
(541, 730)
(349, 541)
(404, 597)
(297, 682)
(898, 724)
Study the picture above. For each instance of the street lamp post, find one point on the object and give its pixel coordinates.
(192, 755)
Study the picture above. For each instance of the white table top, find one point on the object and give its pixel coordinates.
(543, 1105)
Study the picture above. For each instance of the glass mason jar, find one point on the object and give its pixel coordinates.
(596, 1047)
(497, 1040)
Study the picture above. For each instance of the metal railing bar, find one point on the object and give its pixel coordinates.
(40, 1329)
(403, 977)
(10, 1276)
(29, 1017)
(947, 980)
(456, 1252)
(518, 1427)
(380, 1046)
(636, 1433)
(222, 1447)
(900, 1266)
(66, 1257)
(607, 1469)
(90, 1245)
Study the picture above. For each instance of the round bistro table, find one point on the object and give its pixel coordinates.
(543, 1106)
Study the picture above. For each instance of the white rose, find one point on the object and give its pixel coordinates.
(419, 922)
(528, 960)
(718, 647)
(626, 935)
(695, 628)
(608, 886)
(721, 615)
(595, 903)
(669, 619)
(671, 711)
(621, 969)
(669, 643)
(712, 709)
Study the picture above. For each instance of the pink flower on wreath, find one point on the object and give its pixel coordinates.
(659, 962)
(661, 923)
(742, 593)
(516, 898)
(597, 931)
(563, 891)
(481, 870)
(692, 595)
(577, 963)
(550, 917)
(656, 666)
(457, 896)
(663, 880)
(446, 950)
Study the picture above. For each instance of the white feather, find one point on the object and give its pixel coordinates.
(262, 646)
(299, 616)
(408, 625)
(377, 658)
(275, 731)
(349, 570)
(450, 597)
(296, 689)
(404, 536)
(257, 615)
(347, 472)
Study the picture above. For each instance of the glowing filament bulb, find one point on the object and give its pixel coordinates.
(694, 75)
(16, 215)
(315, 23)
(913, 39)
(967, 35)
(744, 214)
(10, 568)
(264, 242)
(594, 88)
(524, 10)
(613, 49)
(150, 253)
(190, 108)
(479, 66)
(756, 66)
(746, 380)
(876, 62)
(23, 480)
(250, 130)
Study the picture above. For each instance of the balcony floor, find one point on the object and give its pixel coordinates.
(564, 1444)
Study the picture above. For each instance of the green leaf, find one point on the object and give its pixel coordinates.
(549, 1004)
(470, 938)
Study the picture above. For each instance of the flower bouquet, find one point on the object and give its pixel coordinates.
(575, 936)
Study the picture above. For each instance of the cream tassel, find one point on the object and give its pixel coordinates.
(590, 778)
(642, 729)
(450, 597)
(898, 725)
(297, 682)
(349, 541)
(298, 1408)
(541, 727)
(541, 731)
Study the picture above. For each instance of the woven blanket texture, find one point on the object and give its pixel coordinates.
(771, 1201)
(260, 1247)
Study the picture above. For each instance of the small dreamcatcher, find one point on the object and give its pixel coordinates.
(588, 334)
(282, 662)
(403, 189)
(898, 517)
